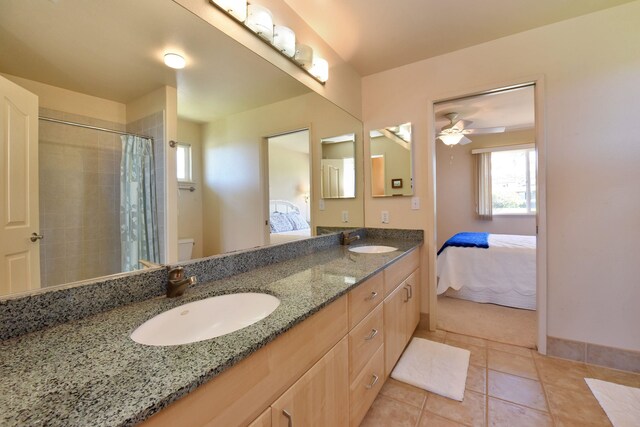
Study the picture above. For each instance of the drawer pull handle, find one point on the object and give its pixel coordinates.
(407, 289)
(374, 380)
(372, 296)
(410, 291)
(373, 333)
(289, 417)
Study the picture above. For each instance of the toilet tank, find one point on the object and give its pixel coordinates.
(185, 247)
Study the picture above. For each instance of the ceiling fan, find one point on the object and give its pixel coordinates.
(454, 133)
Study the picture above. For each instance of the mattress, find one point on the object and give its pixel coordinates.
(504, 273)
(289, 236)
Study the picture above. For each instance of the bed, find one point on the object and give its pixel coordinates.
(286, 222)
(501, 270)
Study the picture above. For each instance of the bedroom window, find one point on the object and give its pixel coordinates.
(183, 158)
(513, 182)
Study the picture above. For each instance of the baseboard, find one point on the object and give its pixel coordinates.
(610, 357)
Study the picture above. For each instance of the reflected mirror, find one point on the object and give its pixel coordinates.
(391, 161)
(98, 85)
(338, 167)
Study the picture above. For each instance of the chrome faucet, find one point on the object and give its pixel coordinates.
(177, 283)
(347, 237)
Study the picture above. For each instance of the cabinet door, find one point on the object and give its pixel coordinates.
(395, 326)
(320, 397)
(413, 309)
(264, 420)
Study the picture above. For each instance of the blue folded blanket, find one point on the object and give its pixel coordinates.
(467, 240)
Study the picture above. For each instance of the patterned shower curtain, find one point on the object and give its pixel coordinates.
(138, 214)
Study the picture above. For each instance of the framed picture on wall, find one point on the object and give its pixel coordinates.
(396, 183)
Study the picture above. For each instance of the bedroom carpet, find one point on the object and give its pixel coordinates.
(488, 321)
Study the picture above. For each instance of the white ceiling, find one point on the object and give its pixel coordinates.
(513, 109)
(114, 50)
(376, 35)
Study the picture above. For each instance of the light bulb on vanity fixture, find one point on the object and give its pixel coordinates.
(285, 40)
(173, 60)
(304, 56)
(260, 21)
(320, 68)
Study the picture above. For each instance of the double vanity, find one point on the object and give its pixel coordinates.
(314, 338)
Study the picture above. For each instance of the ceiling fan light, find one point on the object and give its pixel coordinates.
(451, 138)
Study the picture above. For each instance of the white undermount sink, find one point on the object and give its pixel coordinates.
(205, 319)
(372, 249)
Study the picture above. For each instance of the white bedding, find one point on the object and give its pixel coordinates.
(504, 273)
(289, 236)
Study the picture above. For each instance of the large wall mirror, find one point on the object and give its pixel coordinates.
(96, 68)
(391, 162)
(338, 167)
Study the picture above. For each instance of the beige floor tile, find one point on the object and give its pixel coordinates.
(575, 406)
(471, 411)
(614, 376)
(508, 348)
(429, 419)
(522, 391)
(505, 414)
(404, 393)
(568, 422)
(478, 354)
(437, 336)
(562, 373)
(477, 379)
(511, 364)
(387, 412)
(481, 342)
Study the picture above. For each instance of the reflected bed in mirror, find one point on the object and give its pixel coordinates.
(338, 167)
(51, 52)
(391, 161)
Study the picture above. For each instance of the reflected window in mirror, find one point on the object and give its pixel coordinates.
(391, 161)
(338, 167)
(184, 163)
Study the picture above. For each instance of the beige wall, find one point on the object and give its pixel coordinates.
(190, 203)
(397, 164)
(234, 195)
(344, 84)
(591, 90)
(455, 202)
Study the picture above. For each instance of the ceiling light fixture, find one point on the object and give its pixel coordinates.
(259, 21)
(174, 60)
(451, 138)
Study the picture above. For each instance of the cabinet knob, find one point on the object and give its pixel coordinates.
(374, 380)
(372, 296)
(289, 417)
(373, 333)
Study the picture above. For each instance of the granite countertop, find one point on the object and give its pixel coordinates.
(89, 372)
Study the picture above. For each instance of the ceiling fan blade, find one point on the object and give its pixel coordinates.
(464, 141)
(480, 131)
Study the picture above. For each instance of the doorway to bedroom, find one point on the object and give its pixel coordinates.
(288, 187)
(486, 216)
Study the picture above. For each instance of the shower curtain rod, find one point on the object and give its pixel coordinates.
(65, 122)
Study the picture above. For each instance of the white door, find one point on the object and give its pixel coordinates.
(19, 216)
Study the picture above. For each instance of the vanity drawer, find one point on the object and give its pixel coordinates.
(364, 298)
(365, 388)
(364, 340)
(399, 270)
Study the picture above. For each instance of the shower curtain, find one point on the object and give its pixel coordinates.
(138, 214)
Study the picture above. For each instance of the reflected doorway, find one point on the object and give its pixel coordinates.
(289, 187)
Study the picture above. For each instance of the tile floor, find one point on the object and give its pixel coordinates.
(506, 386)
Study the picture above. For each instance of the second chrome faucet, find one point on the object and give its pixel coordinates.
(177, 283)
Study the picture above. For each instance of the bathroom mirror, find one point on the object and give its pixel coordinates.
(99, 64)
(338, 167)
(391, 161)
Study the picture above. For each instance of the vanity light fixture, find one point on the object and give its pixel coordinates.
(285, 40)
(320, 68)
(259, 21)
(174, 60)
(235, 8)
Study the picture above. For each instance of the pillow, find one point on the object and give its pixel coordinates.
(297, 221)
(278, 222)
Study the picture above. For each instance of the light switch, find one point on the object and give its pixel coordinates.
(384, 217)
(415, 203)
(345, 216)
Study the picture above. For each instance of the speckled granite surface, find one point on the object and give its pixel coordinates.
(89, 372)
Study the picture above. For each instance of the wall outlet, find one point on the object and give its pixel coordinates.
(384, 217)
(345, 216)
(321, 204)
(415, 203)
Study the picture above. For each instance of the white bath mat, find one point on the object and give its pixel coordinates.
(435, 367)
(620, 403)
